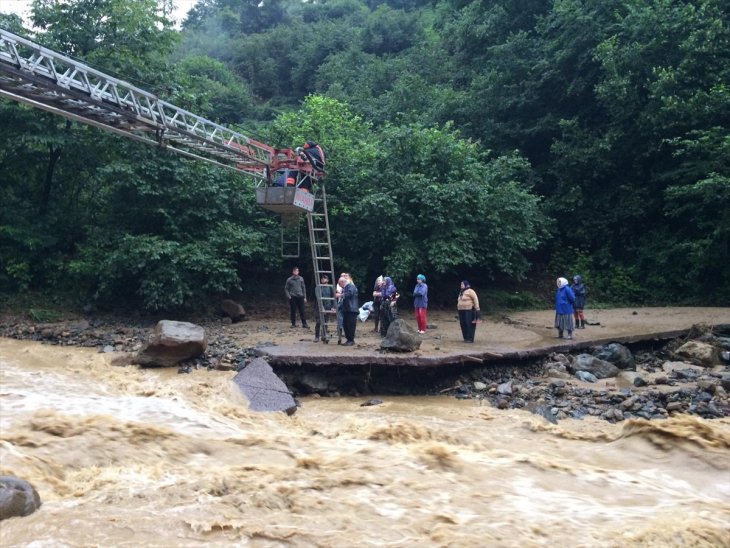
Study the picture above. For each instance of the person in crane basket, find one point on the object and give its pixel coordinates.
(314, 154)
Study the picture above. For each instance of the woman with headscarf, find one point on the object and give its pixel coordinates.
(377, 300)
(420, 302)
(564, 299)
(469, 315)
(389, 305)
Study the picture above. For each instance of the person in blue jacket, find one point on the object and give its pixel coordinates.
(420, 302)
(564, 300)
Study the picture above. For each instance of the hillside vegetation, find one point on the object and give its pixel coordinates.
(506, 142)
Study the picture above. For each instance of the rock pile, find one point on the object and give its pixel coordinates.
(563, 387)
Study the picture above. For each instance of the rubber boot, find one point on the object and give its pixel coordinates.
(570, 335)
(560, 333)
(582, 324)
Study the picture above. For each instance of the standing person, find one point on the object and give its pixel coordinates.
(564, 299)
(420, 302)
(579, 290)
(389, 305)
(340, 315)
(296, 292)
(325, 300)
(350, 306)
(469, 314)
(377, 300)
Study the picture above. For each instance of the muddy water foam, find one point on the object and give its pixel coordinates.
(123, 457)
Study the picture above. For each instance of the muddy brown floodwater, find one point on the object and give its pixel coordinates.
(130, 457)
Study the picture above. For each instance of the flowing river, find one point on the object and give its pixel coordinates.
(128, 457)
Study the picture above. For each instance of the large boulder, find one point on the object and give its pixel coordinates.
(600, 368)
(233, 310)
(172, 342)
(699, 353)
(264, 390)
(617, 354)
(17, 498)
(401, 337)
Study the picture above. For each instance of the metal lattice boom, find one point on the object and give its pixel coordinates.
(43, 78)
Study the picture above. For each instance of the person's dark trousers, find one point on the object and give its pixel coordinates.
(350, 324)
(376, 315)
(317, 325)
(297, 303)
(468, 329)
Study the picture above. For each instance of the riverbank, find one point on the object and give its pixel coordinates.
(538, 375)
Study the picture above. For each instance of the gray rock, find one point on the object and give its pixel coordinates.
(544, 411)
(626, 379)
(639, 382)
(616, 354)
(699, 353)
(233, 310)
(480, 386)
(505, 388)
(264, 390)
(171, 343)
(600, 368)
(586, 376)
(18, 498)
(725, 381)
(556, 366)
(401, 337)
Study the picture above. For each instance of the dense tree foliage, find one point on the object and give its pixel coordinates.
(464, 137)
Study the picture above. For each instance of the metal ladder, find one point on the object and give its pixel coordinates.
(290, 242)
(322, 260)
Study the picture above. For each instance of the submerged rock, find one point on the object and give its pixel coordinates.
(264, 390)
(18, 498)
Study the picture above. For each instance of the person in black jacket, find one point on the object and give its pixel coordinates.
(579, 289)
(350, 308)
(296, 294)
(327, 302)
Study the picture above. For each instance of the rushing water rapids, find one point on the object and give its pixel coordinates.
(129, 457)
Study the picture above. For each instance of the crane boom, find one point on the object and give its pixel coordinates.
(43, 78)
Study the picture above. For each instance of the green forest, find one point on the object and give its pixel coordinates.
(507, 142)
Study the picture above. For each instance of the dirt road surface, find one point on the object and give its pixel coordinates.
(515, 335)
